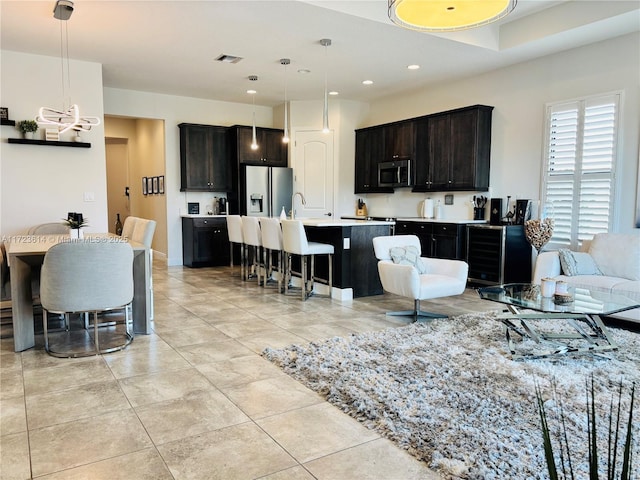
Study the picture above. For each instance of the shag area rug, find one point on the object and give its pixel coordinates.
(448, 392)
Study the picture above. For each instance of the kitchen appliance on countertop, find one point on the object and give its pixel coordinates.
(361, 210)
(426, 208)
(222, 206)
(265, 190)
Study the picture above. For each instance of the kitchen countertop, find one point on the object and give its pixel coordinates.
(439, 220)
(337, 222)
(201, 215)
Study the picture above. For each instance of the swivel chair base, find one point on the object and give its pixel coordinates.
(416, 313)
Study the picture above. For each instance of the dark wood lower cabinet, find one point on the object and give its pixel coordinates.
(437, 240)
(205, 242)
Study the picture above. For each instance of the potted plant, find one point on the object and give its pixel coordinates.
(27, 127)
(75, 221)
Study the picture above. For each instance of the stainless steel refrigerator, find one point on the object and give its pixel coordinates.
(265, 190)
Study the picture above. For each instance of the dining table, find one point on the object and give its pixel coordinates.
(27, 251)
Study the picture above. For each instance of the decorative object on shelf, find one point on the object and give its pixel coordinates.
(51, 135)
(539, 232)
(69, 117)
(193, 208)
(27, 128)
(4, 113)
(325, 42)
(77, 138)
(450, 16)
(76, 221)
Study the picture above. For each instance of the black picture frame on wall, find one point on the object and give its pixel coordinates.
(149, 185)
(144, 185)
(161, 184)
(155, 184)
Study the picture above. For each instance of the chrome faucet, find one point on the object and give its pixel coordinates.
(293, 210)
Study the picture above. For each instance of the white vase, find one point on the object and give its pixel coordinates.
(76, 233)
(28, 135)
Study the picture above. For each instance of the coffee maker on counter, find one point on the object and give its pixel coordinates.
(520, 214)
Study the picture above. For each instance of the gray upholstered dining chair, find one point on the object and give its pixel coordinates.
(87, 276)
(404, 272)
(141, 230)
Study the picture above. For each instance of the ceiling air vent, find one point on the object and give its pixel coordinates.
(228, 59)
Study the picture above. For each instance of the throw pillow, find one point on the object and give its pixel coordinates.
(577, 263)
(408, 255)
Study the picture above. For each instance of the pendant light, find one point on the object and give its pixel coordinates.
(285, 136)
(69, 117)
(254, 139)
(325, 42)
(449, 15)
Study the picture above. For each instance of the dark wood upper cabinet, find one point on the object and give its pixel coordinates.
(449, 150)
(204, 158)
(399, 140)
(369, 152)
(271, 151)
(455, 150)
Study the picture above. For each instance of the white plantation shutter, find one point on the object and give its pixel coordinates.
(579, 167)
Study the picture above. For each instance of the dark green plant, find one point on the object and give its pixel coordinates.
(27, 126)
(614, 430)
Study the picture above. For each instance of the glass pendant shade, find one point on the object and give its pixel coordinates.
(325, 42)
(285, 135)
(254, 139)
(447, 15)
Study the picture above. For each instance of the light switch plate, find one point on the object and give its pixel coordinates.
(89, 197)
(346, 243)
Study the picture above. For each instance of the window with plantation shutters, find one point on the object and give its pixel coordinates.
(579, 168)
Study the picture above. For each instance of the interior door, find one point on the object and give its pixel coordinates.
(313, 173)
(117, 156)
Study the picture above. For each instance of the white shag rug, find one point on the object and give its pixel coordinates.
(448, 392)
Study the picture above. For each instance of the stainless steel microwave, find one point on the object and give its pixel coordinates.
(395, 174)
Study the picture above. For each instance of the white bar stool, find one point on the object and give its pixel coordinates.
(295, 242)
(272, 244)
(253, 241)
(234, 230)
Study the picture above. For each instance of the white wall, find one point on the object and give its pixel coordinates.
(40, 184)
(519, 94)
(175, 110)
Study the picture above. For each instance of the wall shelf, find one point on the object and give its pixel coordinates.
(24, 141)
(10, 123)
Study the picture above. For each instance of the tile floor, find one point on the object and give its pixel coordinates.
(195, 400)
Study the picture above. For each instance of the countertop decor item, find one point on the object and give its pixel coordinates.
(76, 221)
(539, 232)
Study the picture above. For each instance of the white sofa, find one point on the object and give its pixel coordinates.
(617, 257)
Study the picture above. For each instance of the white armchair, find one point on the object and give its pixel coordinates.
(443, 278)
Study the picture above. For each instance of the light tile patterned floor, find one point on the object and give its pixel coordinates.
(195, 400)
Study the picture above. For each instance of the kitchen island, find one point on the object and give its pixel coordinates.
(355, 267)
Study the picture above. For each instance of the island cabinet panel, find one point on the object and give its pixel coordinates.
(454, 150)
(205, 242)
(204, 158)
(271, 151)
(369, 152)
(354, 262)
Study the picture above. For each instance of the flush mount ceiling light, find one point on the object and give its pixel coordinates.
(447, 15)
(69, 117)
(285, 136)
(325, 42)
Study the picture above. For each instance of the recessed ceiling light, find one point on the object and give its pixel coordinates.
(304, 70)
(367, 82)
(333, 92)
(251, 92)
(413, 67)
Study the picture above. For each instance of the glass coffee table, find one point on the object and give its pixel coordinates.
(546, 328)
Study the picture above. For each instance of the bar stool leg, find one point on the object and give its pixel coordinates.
(304, 277)
(330, 274)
